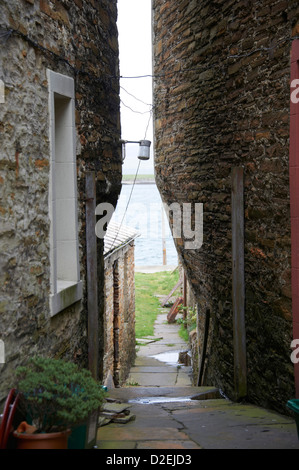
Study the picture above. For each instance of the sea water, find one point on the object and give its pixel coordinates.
(144, 212)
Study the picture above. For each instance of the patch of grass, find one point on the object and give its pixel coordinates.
(132, 384)
(147, 304)
(188, 324)
(183, 333)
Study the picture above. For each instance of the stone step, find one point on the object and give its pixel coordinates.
(126, 394)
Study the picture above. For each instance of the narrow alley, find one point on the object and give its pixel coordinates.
(170, 413)
(192, 107)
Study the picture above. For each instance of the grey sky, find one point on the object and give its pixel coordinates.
(134, 26)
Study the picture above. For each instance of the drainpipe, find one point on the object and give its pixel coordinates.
(238, 284)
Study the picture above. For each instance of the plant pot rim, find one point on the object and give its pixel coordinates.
(41, 435)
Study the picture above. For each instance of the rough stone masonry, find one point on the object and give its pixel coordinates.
(221, 100)
(77, 39)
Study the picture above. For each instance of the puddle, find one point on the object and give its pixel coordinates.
(151, 400)
(171, 357)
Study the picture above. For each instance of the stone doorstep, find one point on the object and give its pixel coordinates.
(124, 420)
(111, 415)
(103, 421)
(115, 407)
(112, 400)
(115, 412)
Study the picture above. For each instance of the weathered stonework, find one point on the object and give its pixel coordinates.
(119, 350)
(222, 100)
(77, 39)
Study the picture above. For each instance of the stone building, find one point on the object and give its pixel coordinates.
(224, 131)
(119, 314)
(59, 122)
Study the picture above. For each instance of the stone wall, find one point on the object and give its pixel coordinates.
(221, 100)
(119, 351)
(77, 39)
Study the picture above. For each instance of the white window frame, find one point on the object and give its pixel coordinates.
(65, 283)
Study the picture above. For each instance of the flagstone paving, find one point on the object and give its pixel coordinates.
(168, 417)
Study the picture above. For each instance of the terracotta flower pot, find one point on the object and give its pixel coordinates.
(54, 440)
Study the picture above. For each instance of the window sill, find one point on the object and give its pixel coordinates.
(67, 294)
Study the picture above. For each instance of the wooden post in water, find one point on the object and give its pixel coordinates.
(238, 283)
(91, 263)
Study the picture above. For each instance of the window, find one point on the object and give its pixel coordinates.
(66, 287)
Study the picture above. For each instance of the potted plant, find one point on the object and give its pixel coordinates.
(55, 396)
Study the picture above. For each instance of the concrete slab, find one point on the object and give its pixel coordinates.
(158, 380)
(108, 445)
(168, 416)
(183, 380)
(221, 425)
(195, 424)
(148, 361)
(126, 394)
(139, 433)
(162, 445)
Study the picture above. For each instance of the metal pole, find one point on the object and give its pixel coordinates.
(238, 287)
(91, 263)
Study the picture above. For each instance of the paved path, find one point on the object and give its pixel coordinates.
(156, 363)
(168, 416)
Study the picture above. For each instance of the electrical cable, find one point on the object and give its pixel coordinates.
(126, 209)
(134, 182)
(134, 111)
(149, 120)
(6, 34)
(135, 97)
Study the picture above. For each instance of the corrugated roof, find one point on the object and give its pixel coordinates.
(118, 235)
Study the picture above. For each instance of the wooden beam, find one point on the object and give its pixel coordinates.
(172, 291)
(204, 349)
(91, 264)
(238, 283)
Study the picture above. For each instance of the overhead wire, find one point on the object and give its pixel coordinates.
(127, 206)
(133, 185)
(6, 34)
(133, 110)
(135, 178)
(135, 97)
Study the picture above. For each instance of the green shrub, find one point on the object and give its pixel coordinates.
(55, 394)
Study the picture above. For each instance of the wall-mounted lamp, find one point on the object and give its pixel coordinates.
(144, 148)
